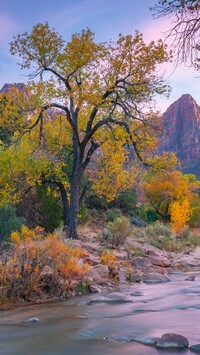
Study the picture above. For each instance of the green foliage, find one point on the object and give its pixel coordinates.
(83, 214)
(134, 250)
(94, 202)
(148, 215)
(9, 221)
(126, 201)
(41, 207)
(118, 231)
(137, 222)
(112, 214)
(94, 214)
(195, 217)
(159, 229)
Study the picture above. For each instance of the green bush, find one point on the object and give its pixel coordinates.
(9, 222)
(126, 201)
(95, 202)
(112, 214)
(117, 231)
(41, 207)
(158, 229)
(148, 215)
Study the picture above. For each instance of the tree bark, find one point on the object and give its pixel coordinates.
(75, 191)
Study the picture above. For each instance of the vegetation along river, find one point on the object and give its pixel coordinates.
(89, 325)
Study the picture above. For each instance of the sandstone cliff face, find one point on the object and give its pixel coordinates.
(20, 87)
(181, 133)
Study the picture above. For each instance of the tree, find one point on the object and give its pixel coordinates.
(185, 31)
(166, 190)
(180, 213)
(96, 87)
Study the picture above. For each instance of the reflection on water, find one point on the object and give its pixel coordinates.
(78, 327)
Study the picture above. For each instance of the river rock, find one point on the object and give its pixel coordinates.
(98, 271)
(195, 348)
(137, 293)
(190, 278)
(114, 297)
(155, 278)
(172, 341)
(32, 320)
(136, 277)
(118, 297)
(94, 289)
(141, 263)
(159, 260)
(146, 341)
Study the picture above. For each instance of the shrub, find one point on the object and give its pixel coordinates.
(118, 230)
(134, 250)
(126, 201)
(41, 207)
(158, 229)
(108, 258)
(112, 214)
(148, 215)
(94, 214)
(39, 265)
(9, 222)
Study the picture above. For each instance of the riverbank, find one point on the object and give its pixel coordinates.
(88, 265)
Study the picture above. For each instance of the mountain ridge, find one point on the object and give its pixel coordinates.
(181, 133)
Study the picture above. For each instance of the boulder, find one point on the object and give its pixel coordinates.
(190, 278)
(32, 320)
(98, 271)
(155, 278)
(141, 263)
(195, 348)
(137, 293)
(146, 341)
(114, 297)
(159, 260)
(172, 341)
(118, 297)
(94, 289)
(137, 277)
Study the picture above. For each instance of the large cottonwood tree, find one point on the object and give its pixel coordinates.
(97, 87)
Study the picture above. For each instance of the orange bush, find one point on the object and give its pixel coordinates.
(39, 265)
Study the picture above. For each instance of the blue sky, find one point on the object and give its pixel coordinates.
(104, 17)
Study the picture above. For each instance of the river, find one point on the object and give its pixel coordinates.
(76, 326)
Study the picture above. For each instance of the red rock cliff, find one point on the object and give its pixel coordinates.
(181, 133)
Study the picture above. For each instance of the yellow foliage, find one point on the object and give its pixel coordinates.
(39, 262)
(180, 214)
(108, 258)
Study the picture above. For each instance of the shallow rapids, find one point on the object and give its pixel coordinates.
(77, 326)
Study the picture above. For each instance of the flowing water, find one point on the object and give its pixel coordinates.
(77, 326)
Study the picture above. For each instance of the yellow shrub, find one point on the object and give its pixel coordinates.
(39, 265)
(108, 258)
(180, 214)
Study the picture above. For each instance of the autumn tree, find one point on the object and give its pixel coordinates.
(167, 190)
(185, 30)
(96, 87)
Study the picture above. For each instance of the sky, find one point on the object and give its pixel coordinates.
(106, 18)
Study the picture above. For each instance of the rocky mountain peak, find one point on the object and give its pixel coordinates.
(181, 133)
(19, 87)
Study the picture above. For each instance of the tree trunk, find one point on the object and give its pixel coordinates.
(75, 192)
(65, 204)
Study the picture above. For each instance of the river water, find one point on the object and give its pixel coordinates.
(77, 326)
